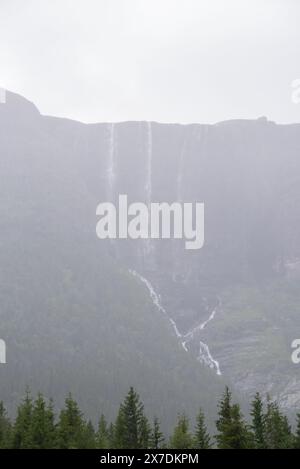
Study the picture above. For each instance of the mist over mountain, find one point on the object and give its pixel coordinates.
(97, 316)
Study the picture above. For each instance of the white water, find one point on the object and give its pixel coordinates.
(190, 335)
(204, 352)
(111, 163)
(148, 185)
(204, 356)
(156, 300)
(211, 317)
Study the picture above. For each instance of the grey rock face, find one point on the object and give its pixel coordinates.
(248, 175)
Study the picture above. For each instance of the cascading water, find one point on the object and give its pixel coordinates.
(156, 300)
(176, 244)
(204, 355)
(206, 358)
(148, 186)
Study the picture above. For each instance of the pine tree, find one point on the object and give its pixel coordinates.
(131, 428)
(35, 427)
(202, 438)
(278, 433)
(103, 437)
(71, 425)
(181, 437)
(225, 419)
(5, 428)
(144, 433)
(88, 437)
(157, 437)
(21, 431)
(119, 431)
(238, 435)
(258, 422)
(42, 428)
(233, 433)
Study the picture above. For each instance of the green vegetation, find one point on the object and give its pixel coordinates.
(37, 427)
(253, 332)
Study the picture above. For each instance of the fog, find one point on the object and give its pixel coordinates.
(169, 61)
(149, 222)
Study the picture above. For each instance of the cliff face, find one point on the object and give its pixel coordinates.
(235, 302)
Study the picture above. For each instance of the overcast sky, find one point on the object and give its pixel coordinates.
(164, 60)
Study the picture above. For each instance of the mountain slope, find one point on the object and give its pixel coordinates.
(73, 318)
(54, 172)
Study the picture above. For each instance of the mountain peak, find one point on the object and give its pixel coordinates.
(15, 105)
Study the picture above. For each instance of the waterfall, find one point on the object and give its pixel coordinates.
(190, 335)
(148, 187)
(206, 358)
(176, 244)
(2, 351)
(111, 163)
(156, 300)
(204, 355)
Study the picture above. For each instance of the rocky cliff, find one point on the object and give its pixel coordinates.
(233, 305)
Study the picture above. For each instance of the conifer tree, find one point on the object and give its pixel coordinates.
(131, 428)
(35, 427)
(181, 437)
(278, 433)
(42, 428)
(258, 421)
(102, 437)
(119, 431)
(157, 437)
(22, 427)
(71, 425)
(233, 433)
(144, 434)
(224, 419)
(202, 438)
(88, 437)
(237, 434)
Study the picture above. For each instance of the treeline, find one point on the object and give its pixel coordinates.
(36, 426)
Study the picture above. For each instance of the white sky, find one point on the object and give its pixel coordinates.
(164, 60)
